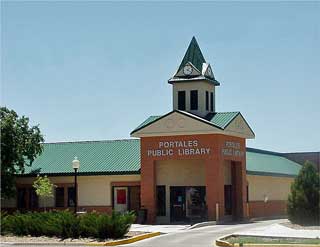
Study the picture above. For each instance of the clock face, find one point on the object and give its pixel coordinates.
(187, 70)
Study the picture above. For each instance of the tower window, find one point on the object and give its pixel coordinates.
(211, 101)
(207, 101)
(194, 99)
(182, 100)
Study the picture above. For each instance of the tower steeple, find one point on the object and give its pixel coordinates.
(194, 66)
(194, 84)
(193, 55)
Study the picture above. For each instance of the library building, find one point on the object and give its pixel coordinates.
(188, 165)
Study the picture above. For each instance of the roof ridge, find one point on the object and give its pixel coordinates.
(88, 141)
(263, 151)
(227, 112)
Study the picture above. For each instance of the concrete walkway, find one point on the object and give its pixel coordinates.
(158, 228)
(278, 230)
(200, 237)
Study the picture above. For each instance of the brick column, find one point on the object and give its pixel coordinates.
(239, 185)
(244, 189)
(214, 186)
(148, 200)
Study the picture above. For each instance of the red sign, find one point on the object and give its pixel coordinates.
(121, 196)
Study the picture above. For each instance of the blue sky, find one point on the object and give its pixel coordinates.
(96, 70)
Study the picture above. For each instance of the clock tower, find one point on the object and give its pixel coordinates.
(194, 84)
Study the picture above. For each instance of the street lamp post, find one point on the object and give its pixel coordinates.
(75, 166)
(265, 204)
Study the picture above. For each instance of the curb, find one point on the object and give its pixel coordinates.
(111, 243)
(223, 243)
(44, 243)
(126, 241)
(202, 224)
(220, 242)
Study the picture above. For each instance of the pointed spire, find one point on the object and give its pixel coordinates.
(193, 55)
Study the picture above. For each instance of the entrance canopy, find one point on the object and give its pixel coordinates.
(179, 122)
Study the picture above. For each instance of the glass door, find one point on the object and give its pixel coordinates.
(120, 198)
(178, 203)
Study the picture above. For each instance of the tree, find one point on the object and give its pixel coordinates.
(20, 145)
(44, 188)
(303, 201)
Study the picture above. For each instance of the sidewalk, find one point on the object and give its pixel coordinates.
(278, 230)
(158, 228)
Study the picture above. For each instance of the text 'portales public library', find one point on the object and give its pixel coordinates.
(188, 165)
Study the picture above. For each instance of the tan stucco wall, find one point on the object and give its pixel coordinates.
(177, 124)
(8, 203)
(92, 190)
(275, 188)
(240, 127)
(202, 87)
(178, 173)
(180, 124)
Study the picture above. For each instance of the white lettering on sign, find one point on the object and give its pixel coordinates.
(178, 144)
(181, 148)
(232, 149)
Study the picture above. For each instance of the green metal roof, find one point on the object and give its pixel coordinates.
(260, 162)
(149, 120)
(217, 119)
(123, 157)
(96, 157)
(193, 55)
(222, 119)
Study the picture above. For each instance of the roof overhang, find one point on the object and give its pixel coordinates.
(184, 123)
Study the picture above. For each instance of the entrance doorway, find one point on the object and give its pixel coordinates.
(126, 198)
(188, 204)
(233, 191)
(177, 203)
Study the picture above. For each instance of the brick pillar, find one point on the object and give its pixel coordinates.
(214, 186)
(148, 200)
(239, 185)
(244, 189)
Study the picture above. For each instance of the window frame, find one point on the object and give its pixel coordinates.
(194, 100)
(211, 101)
(182, 104)
(69, 188)
(207, 101)
(63, 196)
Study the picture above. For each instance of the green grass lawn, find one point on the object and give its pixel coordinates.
(266, 240)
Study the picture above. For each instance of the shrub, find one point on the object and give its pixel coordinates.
(3, 220)
(104, 224)
(17, 224)
(88, 225)
(65, 224)
(303, 201)
(120, 224)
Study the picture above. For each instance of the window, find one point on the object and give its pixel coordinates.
(211, 101)
(207, 101)
(60, 197)
(33, 199)
(194, 99)
(27, 198)
(161, 200)
(182, 100)
(71, 197)
(22, 193)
